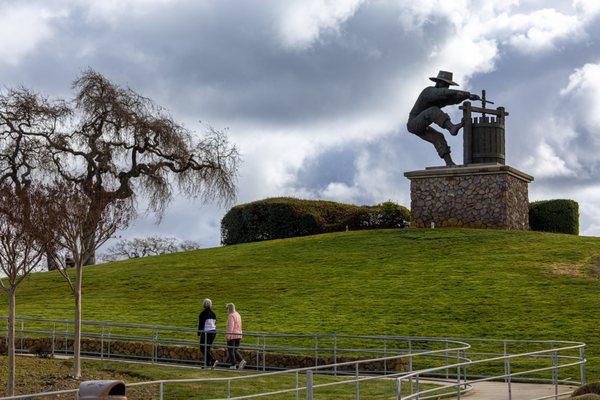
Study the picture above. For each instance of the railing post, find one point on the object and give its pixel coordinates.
(410, 365)
(228, 388)
(555, 373)
(22, 322)
(161, 391)
(154, 345)
(582, 364)
(357, 393)
(67, 339)
(447, 359)
(108, 345)
(309, 385)
(410, 357)
(418, 387)
(53, 337)
(507, 373)
(264, 354)
(297, 387)
(504, 353)
(398, 388)
(458, 360)
(257, 351)
(334, 354)
(458, 382)
(385, 355)
(465, 376)
(102, 343)
(316, 350)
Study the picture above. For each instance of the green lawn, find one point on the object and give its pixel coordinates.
(479, 283)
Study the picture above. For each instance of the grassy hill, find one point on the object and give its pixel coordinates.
(411, 282)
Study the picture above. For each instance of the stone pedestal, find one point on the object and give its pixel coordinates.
(477, 195)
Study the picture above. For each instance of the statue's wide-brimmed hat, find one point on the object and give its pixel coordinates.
(444, 76)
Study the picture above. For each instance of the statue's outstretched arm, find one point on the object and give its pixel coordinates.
(452, 96)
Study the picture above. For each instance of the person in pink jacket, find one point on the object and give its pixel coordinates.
(233, 335)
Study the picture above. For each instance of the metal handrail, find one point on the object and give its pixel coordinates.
(260, 375)
(459, 350)
(575, 345)
(322, 347)
(299, 370)
(222, 331)
(42, 394)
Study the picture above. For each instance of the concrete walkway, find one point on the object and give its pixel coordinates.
(520, 391)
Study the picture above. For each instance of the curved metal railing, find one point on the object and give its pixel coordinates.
(431, 367)
(505, 360)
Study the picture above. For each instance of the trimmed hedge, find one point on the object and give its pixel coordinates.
(284, 217)
(385, 215)
(560, 216)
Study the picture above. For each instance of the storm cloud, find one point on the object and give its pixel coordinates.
(316, 92)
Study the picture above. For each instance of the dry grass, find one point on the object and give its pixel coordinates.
(588, 268)
(560, 269)
(593, 269)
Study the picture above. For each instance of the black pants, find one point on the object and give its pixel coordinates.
(419, 125)
(206, 341)
(234, 355)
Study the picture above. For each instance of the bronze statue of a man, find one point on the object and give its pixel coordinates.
(427, 110)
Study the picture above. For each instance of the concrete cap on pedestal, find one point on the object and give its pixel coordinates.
(472, 169)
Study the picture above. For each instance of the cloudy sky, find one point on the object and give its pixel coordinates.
(316, 93)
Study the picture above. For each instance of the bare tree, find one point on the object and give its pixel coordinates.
(147, 246)
(22, 242)
(71, 208)
(188, 245)
(121, 145)
(111, 145)
(23, 214)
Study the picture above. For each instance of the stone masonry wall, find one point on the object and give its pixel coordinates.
(120, 349)
(480, 201)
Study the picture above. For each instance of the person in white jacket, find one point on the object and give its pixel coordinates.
(207, 330)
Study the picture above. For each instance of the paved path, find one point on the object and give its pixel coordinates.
(520, 391)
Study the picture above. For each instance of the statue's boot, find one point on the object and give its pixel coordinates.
(453, 128)
(448, 159)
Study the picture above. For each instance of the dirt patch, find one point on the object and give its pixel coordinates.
(586, 269)
(593, 269)
(562, 269)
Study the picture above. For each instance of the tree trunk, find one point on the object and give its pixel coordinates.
(89, 249)
(10, 385)
(51, 261)
(90, 258)
(77, 323)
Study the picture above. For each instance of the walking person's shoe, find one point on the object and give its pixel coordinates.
(214, 364)
(233, 367)
(242, 364)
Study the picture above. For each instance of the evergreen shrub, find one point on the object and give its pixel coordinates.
(561, 216)
(284, 217)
